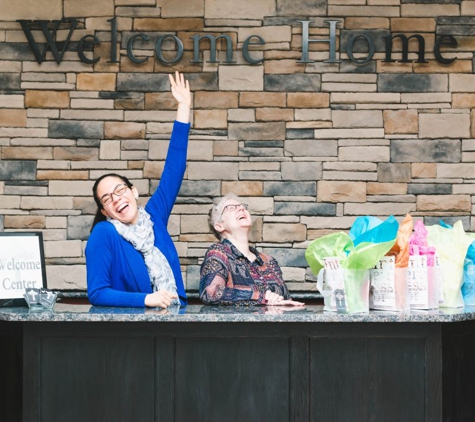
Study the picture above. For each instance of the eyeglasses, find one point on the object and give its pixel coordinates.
(234, 207)
(119, 190)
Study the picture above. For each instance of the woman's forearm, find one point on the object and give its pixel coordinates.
(183, 113)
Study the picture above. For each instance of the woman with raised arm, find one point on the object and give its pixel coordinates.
(233, 272)
(131, 260)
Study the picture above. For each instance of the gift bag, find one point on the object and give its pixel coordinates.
(343, 290)
(422, 284)
(468, 286)
(358, 250)
(451, 245)
(389, 288)
(420, 247)
(342, 262)
(437, 275)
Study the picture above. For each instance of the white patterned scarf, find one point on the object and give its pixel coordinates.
(142, 238)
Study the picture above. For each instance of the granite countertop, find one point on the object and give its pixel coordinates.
(201, 313)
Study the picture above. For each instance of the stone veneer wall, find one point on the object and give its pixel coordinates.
(309, 146)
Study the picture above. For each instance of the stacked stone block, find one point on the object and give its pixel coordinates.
(310, 146)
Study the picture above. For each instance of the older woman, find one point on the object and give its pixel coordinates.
(130, 257)
(233, 272)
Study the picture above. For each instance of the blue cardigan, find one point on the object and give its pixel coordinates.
(116, 271)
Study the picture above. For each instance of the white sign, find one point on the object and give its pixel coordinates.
(383, 284)
(418, 282)
(22, 265)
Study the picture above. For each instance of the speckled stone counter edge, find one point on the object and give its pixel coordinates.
(201, 313)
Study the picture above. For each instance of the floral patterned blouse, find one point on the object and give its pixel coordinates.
(227, 277)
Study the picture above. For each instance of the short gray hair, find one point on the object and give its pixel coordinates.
(214, 215)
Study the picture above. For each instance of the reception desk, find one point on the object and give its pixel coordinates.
(82, 363)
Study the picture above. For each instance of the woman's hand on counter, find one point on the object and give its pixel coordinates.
(162, 299)
(279, 310)
(273, 299)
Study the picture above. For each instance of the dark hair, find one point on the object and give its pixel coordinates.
(99, 216)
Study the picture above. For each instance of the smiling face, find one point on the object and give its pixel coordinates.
(233, 221)
(123, 207)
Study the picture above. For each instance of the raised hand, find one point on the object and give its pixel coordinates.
(181, 92)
